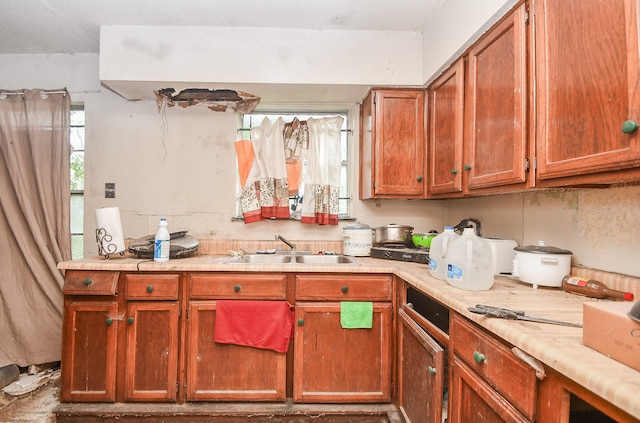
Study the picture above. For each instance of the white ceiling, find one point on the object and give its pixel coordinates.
(73, 26)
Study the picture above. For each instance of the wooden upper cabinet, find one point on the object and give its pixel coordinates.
(446, 109)
(496, 136)
(588, 85)
(392, 144)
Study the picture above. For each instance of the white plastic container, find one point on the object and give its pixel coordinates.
(358, 240)
(470, 263)
(438, 251)
(162, 242)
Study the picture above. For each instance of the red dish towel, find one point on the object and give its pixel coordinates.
(259, 324)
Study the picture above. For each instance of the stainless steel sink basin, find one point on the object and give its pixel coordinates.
(291, 258)
(328, 259)
(263, 259)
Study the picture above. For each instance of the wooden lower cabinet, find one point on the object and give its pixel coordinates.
(337, 365)
(421, 373)
(225, 372)
(89, 351)
(89, 333)
(488, 382)
(152, 337)
(151, 359)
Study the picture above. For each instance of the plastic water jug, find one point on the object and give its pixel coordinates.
(469, 262)
(438, 252)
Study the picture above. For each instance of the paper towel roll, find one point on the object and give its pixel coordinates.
(109, 231)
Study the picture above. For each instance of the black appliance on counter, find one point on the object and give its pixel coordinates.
(401, 252)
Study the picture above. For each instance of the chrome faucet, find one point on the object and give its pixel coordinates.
(289, 243)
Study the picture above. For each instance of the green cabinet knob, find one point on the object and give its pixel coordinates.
(300, 322)
(87, 281)
(478, 357)
(432, 371)
(109, 321)
(454, 171)
(150, 288)
(629, 127)
(419, 178)
(130, 320)
(236, 288)
(345, 289)
(467, 167)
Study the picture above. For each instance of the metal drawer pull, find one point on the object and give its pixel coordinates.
(535, 364)
(87, 281)
(150, 289)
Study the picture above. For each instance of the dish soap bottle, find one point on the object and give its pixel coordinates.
(162, 242)
(592, 288)
(438, 251)
(470, 262)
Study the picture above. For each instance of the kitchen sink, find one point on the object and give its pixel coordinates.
(291, 258)
(325, 259)
(263, 259)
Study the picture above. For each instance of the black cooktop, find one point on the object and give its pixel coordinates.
(401, 253)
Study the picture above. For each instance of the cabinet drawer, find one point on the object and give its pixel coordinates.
(495, 363)
(81, 282)
(151, 287)
(343, 287)
(237, 286)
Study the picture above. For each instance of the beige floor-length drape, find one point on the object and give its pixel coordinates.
(34, 223)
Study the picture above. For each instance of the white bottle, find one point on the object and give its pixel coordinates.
(438, 252)
(162, 242)
(469, 262)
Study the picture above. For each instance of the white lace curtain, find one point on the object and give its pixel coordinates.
(34, 223)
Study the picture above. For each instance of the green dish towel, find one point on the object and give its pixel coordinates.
(356, 315)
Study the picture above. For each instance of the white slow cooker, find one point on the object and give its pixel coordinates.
(358, 240)
(541, 264)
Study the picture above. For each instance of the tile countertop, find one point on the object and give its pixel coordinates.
(559, 347)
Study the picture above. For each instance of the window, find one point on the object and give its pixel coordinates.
(76, 165)
(255, 119)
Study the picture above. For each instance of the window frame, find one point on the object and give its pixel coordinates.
(347, 149)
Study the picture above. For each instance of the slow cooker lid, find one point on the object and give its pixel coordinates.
(542, 248)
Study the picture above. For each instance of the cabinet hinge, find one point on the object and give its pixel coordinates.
(526, 165)
(526, 17)
(535, 163)
(179, 312)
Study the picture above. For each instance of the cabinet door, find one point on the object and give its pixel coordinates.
(421, 373)
(225, 372)
(587, 81)
(393, 138)
(496, 106)
(151, 360)
(336, 365)
(89, 347)
(446, 110)
(474, 401)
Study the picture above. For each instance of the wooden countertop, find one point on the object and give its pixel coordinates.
(559, 347)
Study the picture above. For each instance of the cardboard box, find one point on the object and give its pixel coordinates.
(609, 330)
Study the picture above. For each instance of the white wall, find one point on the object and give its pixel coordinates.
(178, 163)
(190, 152)
(453, 27)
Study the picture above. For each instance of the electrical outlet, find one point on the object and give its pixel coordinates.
(110, 190)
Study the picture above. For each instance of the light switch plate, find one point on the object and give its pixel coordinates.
(110, 190)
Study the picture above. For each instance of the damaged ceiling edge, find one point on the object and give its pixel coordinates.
(216, 100)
